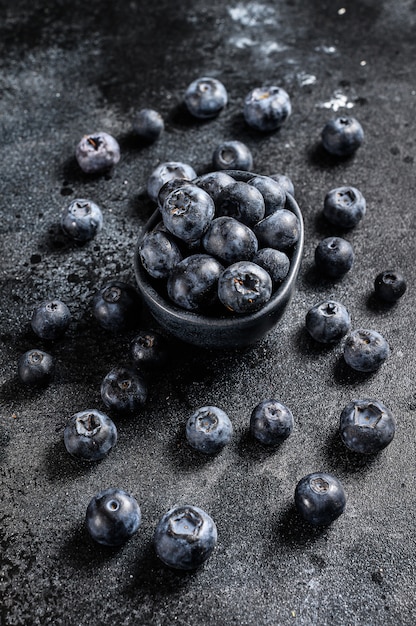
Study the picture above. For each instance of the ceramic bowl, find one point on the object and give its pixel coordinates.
(227, 331)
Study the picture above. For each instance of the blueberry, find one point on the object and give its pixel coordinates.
(279, 230)
(275, 262)
(209, 430)
(365, 350)
(267, 108)
(50, 319)
(166, 171)
(148, 124)
(187, 212)
(271, 422)
(232, 155)
(35, 367)
(342, 136)
(344, 206)
(328, 321)
(112, 517)
(159, 253)
(390, 286)
(185, 537)
(205, 97)
(244, 287)
(192, 284)
(229, 240)
(320, 498)
(242, 201)
(214, 182)
(117, 306)
(285, 183)
(97, 152)
(166, 188)
(149, 350)
(274, 195)
(90, 435)
(81, 220)
(124, 390)
(367, 426)
(334, 256)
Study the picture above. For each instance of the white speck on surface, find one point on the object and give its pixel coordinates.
(362, 63)
(242, 42)
(305, 79)
(268, 47)
(338, 101)
(326, 49)
(252, 14)
(342, 11)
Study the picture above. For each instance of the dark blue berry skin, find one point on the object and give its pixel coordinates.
(167, 171)
(243, 202)
(342, 136)
(97, 153)
(185, 537)
(148, 124)
(275, 262)
(35, 368)
(82, 220)
(214, 182)
(334, 257)
(267, 108)
(112, 517)
(117, 306)
(244, 287)
(205, 97)
(209, 430)
(187, 212)
(320, 498)
(390, 286)
(165, 190)
(159, 253)
(90, 435)
(365, 350)
(367, 426)
(274, 195)
(124, 390)
(192, 284)
(280, 230)
(271, 422)
(232, 155)
(229, 240)
(344, 206)
(328, 321)
(285, 183)
(149, 350)
(50, 319)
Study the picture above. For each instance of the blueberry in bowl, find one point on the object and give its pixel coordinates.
(216, 321)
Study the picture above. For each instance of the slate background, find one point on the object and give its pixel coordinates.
(68, 68)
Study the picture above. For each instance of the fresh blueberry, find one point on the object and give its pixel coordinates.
(367, 426)
(166, 171)
(214, 182)
(117, 306)
(320, 498)
(159, 253)
(192, 284)
(328, 321)
(344, 206)
(242, 201)
(232, 155)
(280, 230)
(166, 188)
(229, 240)
(205, 97)
(285, 183)
(342, 136)
(334, 256)
(112, 517)
(185, 537)
(209, 430)
(124, 390)
(35, 367)
(187, 212)
(149, 350)
(271, 422)
(90, 435)
(274, 195)
(390, 286)
(81, 220)
(365, 350)
(267, 108)
(50, 319)
(148, 124)
(275, 262)
(97, 152)
(244, 287)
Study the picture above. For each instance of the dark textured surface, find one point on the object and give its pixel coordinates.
(69, 68)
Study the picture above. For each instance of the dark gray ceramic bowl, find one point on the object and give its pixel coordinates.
(229, 331)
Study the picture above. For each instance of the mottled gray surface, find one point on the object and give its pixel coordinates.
(77, 67)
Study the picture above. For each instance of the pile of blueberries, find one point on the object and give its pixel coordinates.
(217, 238)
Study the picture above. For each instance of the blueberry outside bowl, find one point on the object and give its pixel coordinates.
(228, 331)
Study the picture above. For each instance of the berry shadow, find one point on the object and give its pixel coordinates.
(345, 460)
(73, 174)
(375, 305)
(318, 156)
(84, 554)
(185, 457)
(249, 448)
(293, 531)
(308, 347)
(345, 375)
(316, 279)
(61, 466)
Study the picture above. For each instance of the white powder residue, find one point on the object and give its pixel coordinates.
(265, 48)
(252, 14)
(305, 79)
(242, 42)
(268, 47)
(326, 49)
(338, 101)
